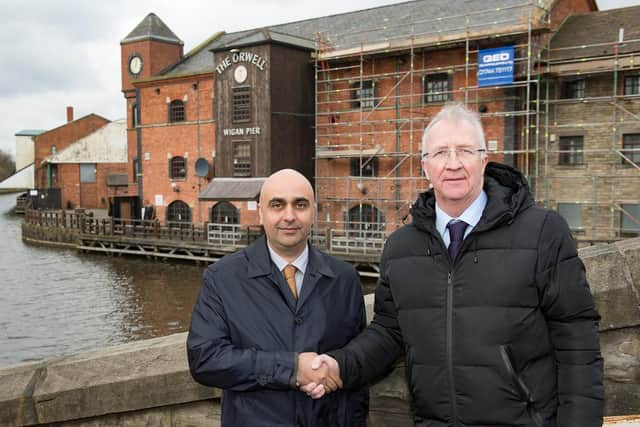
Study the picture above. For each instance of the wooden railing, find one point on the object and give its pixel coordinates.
(224, 235)
(54, 218)
(145, 229)
(361, 239)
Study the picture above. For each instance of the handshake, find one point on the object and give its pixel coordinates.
(317, 374)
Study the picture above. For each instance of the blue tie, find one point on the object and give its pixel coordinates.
(456, 233)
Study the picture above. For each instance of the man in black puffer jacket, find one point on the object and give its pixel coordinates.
(494, 314)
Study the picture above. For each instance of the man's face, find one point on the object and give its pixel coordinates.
(456, 181)
(286, 213)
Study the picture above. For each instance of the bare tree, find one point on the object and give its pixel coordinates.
(7, 165)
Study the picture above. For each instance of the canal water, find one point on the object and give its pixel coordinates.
(56, 302)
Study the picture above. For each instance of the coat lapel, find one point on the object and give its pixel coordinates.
(317, 268)
(260, 265)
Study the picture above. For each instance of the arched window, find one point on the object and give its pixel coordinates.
(224, 213)
(178, 211)
(177, 168)
(365, 218)
(176, 111)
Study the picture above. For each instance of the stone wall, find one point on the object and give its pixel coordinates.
(148, 382)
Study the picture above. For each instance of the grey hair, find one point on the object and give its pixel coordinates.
(456, 112)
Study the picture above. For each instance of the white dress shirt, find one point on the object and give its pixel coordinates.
(471, 216)
(300, 263)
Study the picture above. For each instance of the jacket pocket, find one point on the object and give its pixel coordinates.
(521, 387)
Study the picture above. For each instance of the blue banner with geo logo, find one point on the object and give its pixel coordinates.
(495, 66)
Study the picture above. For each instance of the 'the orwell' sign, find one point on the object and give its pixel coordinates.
(495, 66)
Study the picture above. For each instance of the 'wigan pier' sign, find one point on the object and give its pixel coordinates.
(234, 58)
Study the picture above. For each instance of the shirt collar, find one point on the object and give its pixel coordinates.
(471, 215)
(300, 262)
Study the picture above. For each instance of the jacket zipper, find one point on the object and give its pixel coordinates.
(521, 386)
(452, 389)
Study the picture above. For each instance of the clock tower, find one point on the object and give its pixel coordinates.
(147, 50)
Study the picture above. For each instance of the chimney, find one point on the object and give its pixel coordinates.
(69, 114)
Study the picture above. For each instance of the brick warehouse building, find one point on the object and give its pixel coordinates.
(343, 98)
(81, 163)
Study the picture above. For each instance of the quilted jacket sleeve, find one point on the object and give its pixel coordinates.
(369, 355)
(573, 324)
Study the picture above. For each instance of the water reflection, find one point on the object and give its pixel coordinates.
(56, 301)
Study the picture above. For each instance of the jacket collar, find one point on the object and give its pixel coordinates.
(507, 195)
(260, 265)
(258, 257)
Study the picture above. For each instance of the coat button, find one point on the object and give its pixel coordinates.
(299, 320)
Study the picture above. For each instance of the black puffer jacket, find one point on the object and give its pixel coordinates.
(507, 335)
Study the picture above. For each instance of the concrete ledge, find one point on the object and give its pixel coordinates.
(145, 374)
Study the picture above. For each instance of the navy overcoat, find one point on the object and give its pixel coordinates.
(247, 328)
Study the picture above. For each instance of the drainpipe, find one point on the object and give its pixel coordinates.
(397, 183)
(139, 152)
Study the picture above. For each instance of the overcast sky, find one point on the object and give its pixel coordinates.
(67, 52)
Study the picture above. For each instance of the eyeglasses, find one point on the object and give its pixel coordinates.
(462, 153)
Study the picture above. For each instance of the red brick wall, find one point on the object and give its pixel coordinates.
(155, 55)
(337, 192)
(61, 137)
(88, 195)
(563, 8)
(247, 217)
(69, 182)
(162, 140)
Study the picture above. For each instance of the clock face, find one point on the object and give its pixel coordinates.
(240, 74)
(135, 65)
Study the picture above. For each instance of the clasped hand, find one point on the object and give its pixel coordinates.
(317, 375)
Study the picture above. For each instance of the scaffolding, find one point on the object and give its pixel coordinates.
(591, 146)
(374, 100)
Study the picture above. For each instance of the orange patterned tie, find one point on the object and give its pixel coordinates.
(290, 276)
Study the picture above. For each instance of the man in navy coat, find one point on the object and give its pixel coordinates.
(264, 312)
